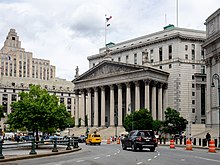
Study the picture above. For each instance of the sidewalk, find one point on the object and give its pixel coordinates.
(23, 153)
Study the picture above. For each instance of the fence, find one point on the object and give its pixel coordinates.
(70, 142)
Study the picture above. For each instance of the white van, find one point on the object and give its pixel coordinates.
(9, 135)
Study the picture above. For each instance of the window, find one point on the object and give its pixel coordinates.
(127, 59)
(186, 47)
(193, 85)
(112, 59)
(193, 66)
(193, 93)
(193, 51)
(170, 51)
(202, 54)
(193, 102)
(170, 66)
(186, 56)
(193, 110)
(160, 67)
(135, 58)
(151, 51)
(160, 54)
(119, 59)
(193, 77)
(203, 69)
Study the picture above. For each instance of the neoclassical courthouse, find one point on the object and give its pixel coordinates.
(155, 71)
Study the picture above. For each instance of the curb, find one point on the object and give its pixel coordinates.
(39, 155)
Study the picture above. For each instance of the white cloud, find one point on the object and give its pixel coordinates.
(66, 32)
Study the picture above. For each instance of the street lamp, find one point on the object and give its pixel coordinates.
(216, 77)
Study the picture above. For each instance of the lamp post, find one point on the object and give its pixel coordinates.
(216, 77)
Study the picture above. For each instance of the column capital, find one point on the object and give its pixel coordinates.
(102, 88)
(96, 89)
(136, 83)
(89, 90)
(147, 81)
(77, 92)
(111, 86)
(128, 84)
(159, 84)
(119, 86)
(165, 85)
(154, 83)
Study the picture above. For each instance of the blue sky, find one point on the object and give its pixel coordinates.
(66, 32)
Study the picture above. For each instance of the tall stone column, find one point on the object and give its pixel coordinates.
(96, 107)
(9, 103)
(165, 99)
(154, 101)
(137, 96)
(82, 111)
(119, 105)
(103, 106)
(160, 105)
(147, 94)
(77, 108)
(112, 105)
(128, 98)
(89, 108)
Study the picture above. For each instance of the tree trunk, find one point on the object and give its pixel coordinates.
(37, 138)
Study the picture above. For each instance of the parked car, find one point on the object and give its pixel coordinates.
(82, 139)
(140, 139)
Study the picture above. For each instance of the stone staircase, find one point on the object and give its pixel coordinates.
(105, 132)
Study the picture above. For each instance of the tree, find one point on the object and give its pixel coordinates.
(174, 123)
(141, 119)
(37, 110)
(1, 112)
(157, 125)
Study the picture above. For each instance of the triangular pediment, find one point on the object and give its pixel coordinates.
(107, 69)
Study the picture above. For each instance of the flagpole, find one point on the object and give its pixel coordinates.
(105, 32)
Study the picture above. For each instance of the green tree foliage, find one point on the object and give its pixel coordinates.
(37, 110)
(141, 119)
(1, 112)
(173, 123)
(157, 125)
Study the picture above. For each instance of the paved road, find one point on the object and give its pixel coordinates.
(113, 155)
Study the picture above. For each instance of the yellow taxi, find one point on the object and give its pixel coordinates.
(93, 138)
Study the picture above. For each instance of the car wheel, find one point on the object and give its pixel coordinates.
(133, 146)
(152, 149)
(123, 146)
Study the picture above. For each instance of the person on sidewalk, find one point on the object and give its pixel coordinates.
(208, 138)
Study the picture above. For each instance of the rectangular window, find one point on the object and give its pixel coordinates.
(202, 54)
(119, 59)
(170, 66)
(186, 56)
(193, 93)
(193, 66)
(193, 77)
(160, 67)
(193, 102)
(135, 58)
(170, 51)
(193, 85)
(186, 47)
(127, 59)
(160, 54)
(193, 110)
(193, 51)
(203, 69)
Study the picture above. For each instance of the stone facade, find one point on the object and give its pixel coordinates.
(19, 70)
(110, 90)
(212, 46)
(177, 51)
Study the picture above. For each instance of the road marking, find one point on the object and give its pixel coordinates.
(79, 161)
(213, 160)
(96, 157)
(155, 157)
(149, 160)
(182, 160)
(139, 162)
(115, 153)
(108, 155)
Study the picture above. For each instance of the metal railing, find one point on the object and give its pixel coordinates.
(69, 143)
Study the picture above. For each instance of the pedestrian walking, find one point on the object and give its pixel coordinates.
(208, 138)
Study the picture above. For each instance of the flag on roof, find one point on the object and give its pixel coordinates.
(108, 18)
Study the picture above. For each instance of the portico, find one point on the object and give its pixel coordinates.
(111, 90)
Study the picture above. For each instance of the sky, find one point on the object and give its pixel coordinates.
(66, 32)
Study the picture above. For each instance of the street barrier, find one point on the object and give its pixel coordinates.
(188, 145)
(172, 144)
(212, 146)
(108, 141)
(118, 141)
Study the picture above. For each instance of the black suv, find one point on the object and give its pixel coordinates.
(140, 139)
